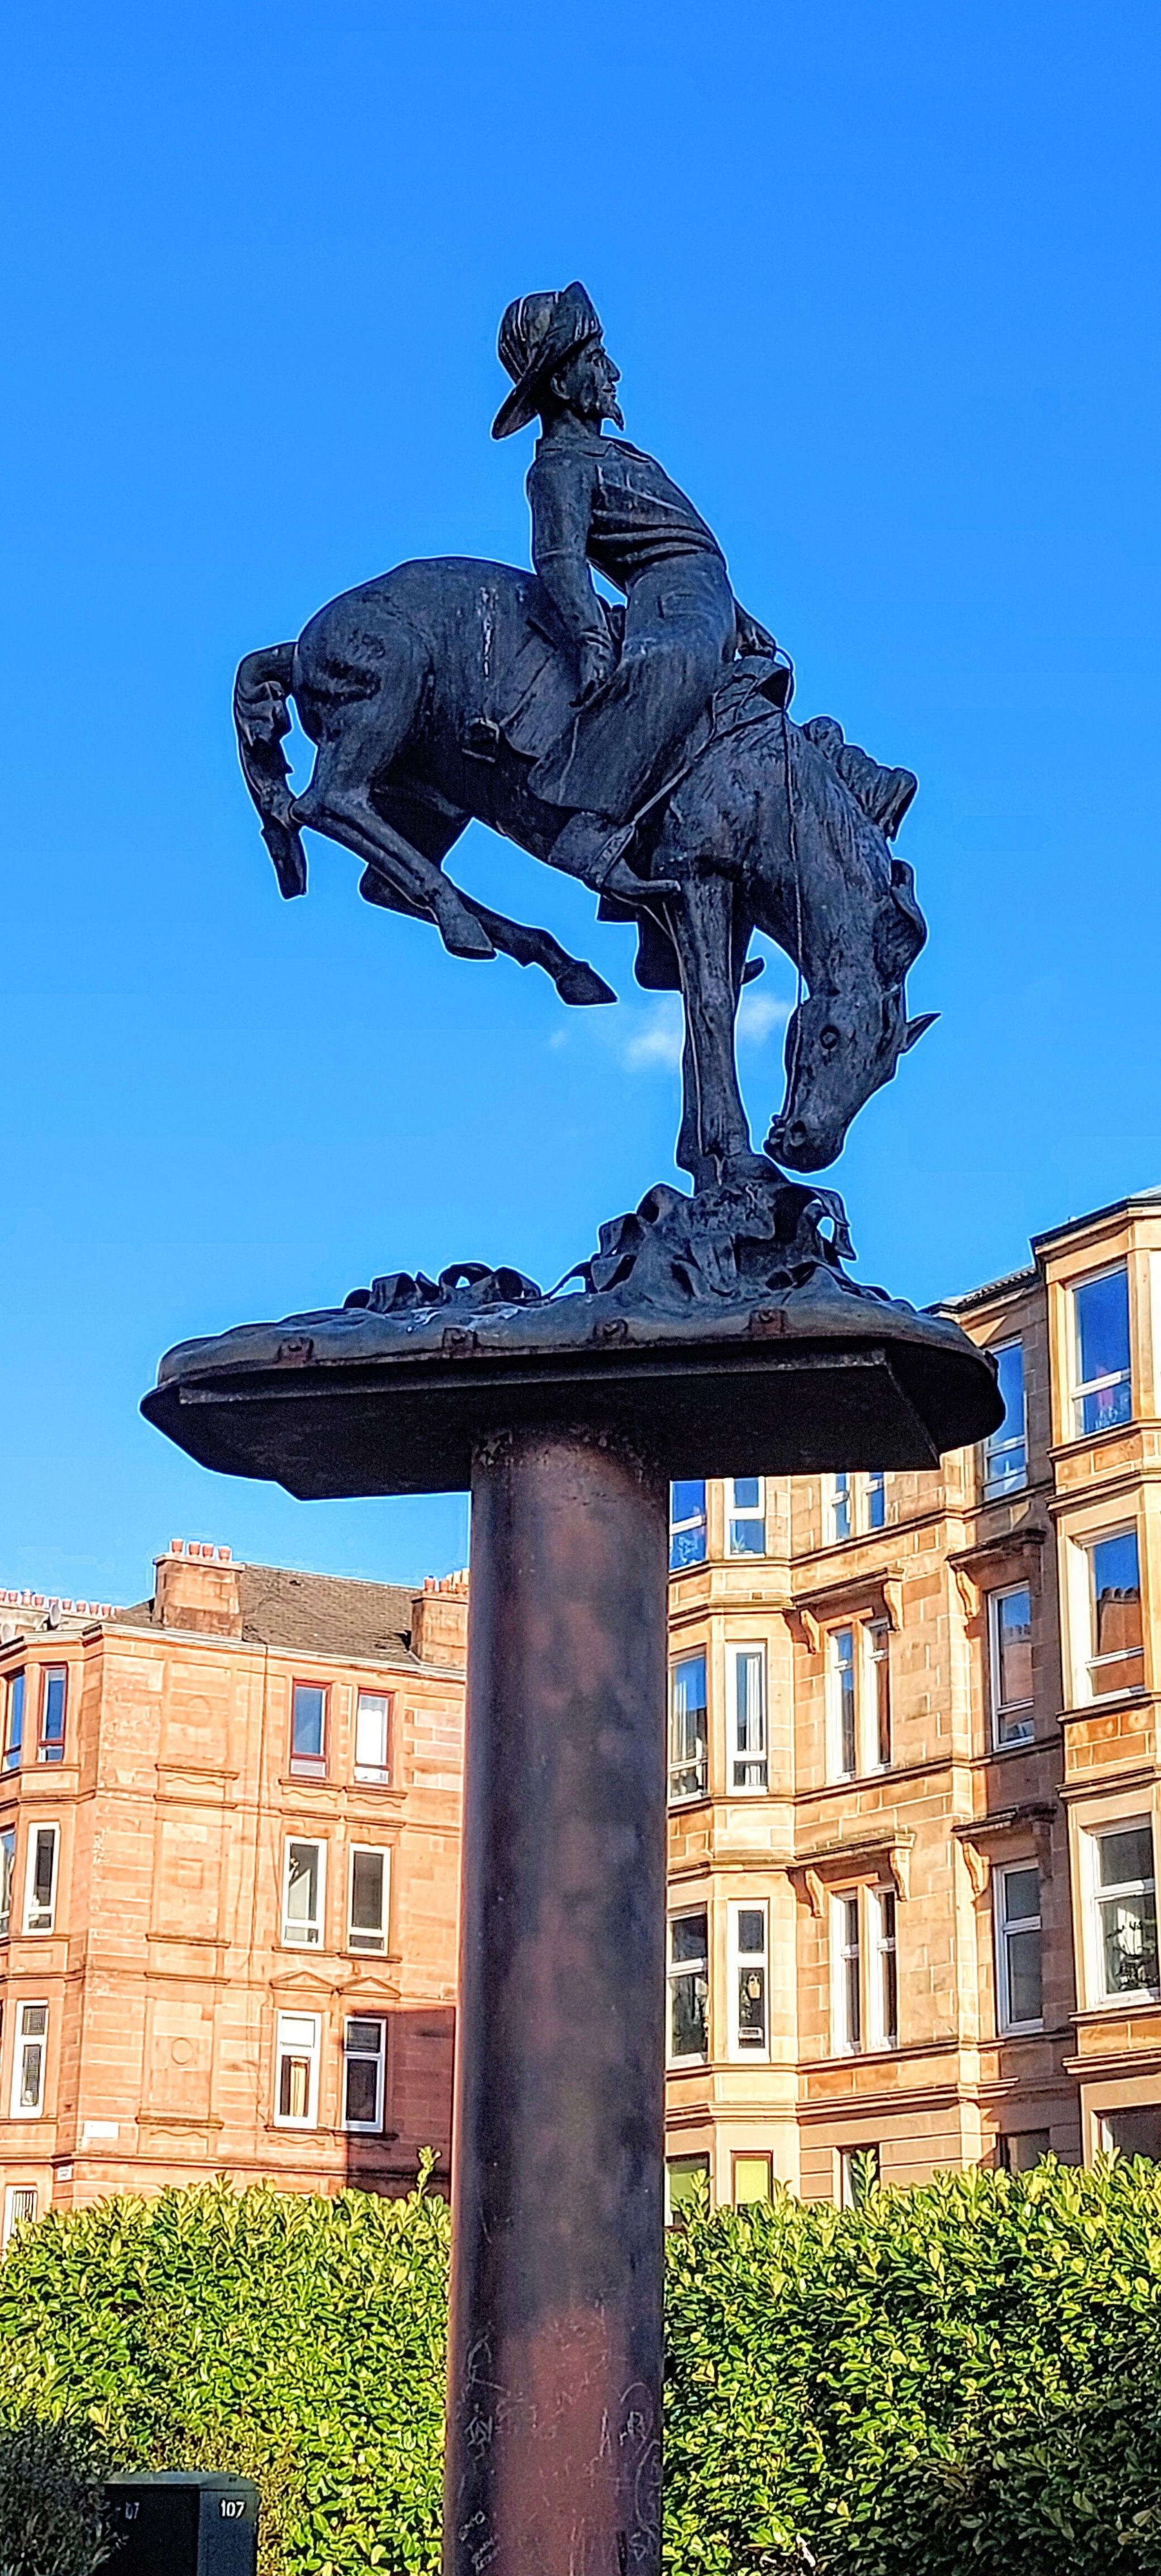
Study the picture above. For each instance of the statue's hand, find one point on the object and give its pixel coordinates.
(597, 663)
(753, 637)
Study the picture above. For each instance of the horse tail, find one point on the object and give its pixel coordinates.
(261, 718)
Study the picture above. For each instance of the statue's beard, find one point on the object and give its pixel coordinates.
(612, 411)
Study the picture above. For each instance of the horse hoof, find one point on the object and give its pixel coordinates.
(581, 985)
(466, 939)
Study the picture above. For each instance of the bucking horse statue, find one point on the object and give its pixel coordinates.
(432, 692)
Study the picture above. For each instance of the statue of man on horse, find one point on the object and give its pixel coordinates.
(646, 749)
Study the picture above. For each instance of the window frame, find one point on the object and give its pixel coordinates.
(7, 1878)
(840, 1508)
(691, 1967)
(882, 1912)
(1088, 1542)
(877, 1714)
(1097, 1896)
(40, 1830)
(23, 2038)
(310, 1766)
(745, 2052)
(692, 1521)
(1013, 1721)
(846, 1990)
(51, 1748)
(312, 1939)
(744, 1516)
(15, 1701)
(365, 2057)
(376, 1774)
(1000, 1442)
(1003, 1930)
(365, 1945)
(1080, 1388)
(695, 2167)
(285, 2049)
(13, 2219)
(848, 2197)
(836, 1698)
(700, 1763)
(756, 1758)
(875, 1490)
(751, 2156)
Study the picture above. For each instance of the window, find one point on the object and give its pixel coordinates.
(876, 1499)
(749, 2035)
(846, 1977)
(19, 2209)
(1016, 1897)
(686, 2184)
(372, 1737)
(746, 1713)
(13, 1722)
(308, 1725)
(876, 1633)
(882, 1907)
(1117, 1660)
(1021, 2150)
(1006, 1452)
(364, 2053)
(688, 1986)
(53, 1686)
(1133, 2133)
(752, 2180)
(858, 2175)
(40, 1880)
(302, 1897)
(1102, 1382)
(686, 1525)
(7, 1872)
(1126, 1911)
(840, 1507)
(367, 1912)
(296, 2082)
(843, 1729)
(28, 2061)
(1010, 1630)
(688, 1730)
(745, 1516)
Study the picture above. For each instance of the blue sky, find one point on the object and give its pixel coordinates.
(882, 282)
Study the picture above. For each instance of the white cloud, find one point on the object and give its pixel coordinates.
(759, 1014)
(654, 1037)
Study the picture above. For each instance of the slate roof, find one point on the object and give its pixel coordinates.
(325, 1614)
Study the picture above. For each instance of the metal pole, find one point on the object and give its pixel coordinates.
(554, 2372)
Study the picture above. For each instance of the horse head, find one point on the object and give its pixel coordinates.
(845, 1040)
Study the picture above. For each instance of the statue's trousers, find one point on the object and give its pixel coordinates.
(554, 2376)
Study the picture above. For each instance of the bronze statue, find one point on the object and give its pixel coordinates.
(646, 749)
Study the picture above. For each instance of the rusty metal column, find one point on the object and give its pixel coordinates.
(554, 2371)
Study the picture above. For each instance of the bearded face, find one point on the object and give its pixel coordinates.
(586, 384)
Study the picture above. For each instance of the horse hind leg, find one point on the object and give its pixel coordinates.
(575, 982)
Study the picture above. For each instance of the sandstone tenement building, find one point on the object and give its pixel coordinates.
(914, 1777)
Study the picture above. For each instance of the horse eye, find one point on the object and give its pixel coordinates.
(828, 1038)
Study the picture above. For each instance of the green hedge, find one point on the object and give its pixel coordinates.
(966, 2376)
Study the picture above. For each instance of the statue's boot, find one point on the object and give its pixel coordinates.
(590, 847)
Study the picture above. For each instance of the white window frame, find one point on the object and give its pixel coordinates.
(311, 1935)
(24, 2038)
(1091, 1662)
(377, 1774)
(845, 1909)
(848, 2157)
(15, 1713)
(882, 1914)
(1002, 1929)
(685, 1797)
(840, 1505)
(365, 2057)
(310, 1766)
(677, 1968)
(1013, 1721)
(753, 1513)
(1000, 1444)
(874, 1481)
(745, 2053)
(756, 1757)
(365, 1943)
(15, 2217)
(873, 1655)
(835, 1667)
(1133, 1997)
(284, 2048)
(692, 1521)
(1081, 1387)
(39, 1922)
(7, 1878)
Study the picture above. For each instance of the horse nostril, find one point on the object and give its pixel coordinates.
(796, 1135)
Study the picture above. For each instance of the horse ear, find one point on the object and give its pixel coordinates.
(915, 1028)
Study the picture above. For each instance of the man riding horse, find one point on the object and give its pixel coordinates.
(597, 501)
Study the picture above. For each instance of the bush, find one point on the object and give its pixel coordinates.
(964, 2377)
(52, 2521)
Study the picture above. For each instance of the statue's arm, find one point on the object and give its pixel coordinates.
(560, 494)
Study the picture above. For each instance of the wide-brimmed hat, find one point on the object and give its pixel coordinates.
(537, 334)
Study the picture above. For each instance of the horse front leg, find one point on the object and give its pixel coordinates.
(715, 1135)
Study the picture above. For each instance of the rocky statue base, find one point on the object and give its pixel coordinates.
(718, 1333)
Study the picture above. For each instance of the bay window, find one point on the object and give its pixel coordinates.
(688, 1729)
(1102, 1383)
(688, 1979)
(746, 1716)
